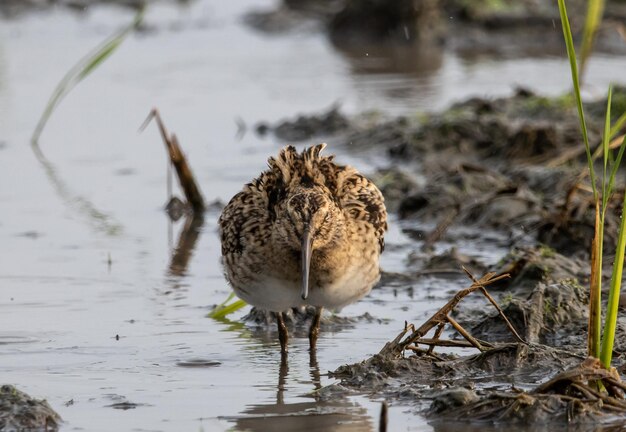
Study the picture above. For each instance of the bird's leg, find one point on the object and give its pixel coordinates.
(283, 334)
(314, 371)
(315, 329)
(282, 378)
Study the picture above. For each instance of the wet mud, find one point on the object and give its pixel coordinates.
(19, 412)
(306, 127)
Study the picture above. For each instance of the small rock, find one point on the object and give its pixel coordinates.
(452, 398)
(20, 412)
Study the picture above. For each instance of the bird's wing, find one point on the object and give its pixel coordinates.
(246, 219)
(362, 201)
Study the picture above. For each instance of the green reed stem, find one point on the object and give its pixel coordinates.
(571, 54)
(595, 10)
(610, 322)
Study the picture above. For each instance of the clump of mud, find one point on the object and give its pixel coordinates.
(573, 395)
(306, 127)
(514, 164)
(20, 412)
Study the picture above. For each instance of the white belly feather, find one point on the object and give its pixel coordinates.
(279, 295)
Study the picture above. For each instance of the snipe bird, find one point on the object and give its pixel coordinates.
(307, 231)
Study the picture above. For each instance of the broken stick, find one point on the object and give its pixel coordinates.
(178, 160)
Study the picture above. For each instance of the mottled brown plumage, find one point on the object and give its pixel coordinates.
(305, 214)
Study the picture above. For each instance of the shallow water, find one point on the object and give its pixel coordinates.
(93, 313)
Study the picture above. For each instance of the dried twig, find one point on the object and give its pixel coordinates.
(465, 333)
(185, 176)
(450, 343)
(421, 351)
(584, 378)
(440, 318)
(495, 304)
(436, 337)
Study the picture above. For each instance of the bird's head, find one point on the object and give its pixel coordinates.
(309, 220)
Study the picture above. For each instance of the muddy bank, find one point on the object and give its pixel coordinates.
(544, 378)
(20, 412)
(544, 303)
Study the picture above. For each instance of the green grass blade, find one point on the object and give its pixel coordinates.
(617, 163)
(229, 298)
(595, 10)
(82, 69)
(227, 310)
(222, 310)
(100, 57)
(595, 292)
(608, 338)
(595, 296)
(607, 187)
(617, 126)
(571, 54)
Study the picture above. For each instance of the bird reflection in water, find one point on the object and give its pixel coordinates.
(336, 414)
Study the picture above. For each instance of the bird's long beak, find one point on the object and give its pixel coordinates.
(307, 240)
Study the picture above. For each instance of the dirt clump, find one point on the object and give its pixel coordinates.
(19, 411)
(306, 127)
(395, 184)
(450, 262)
(571, 396)
(510, 378)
